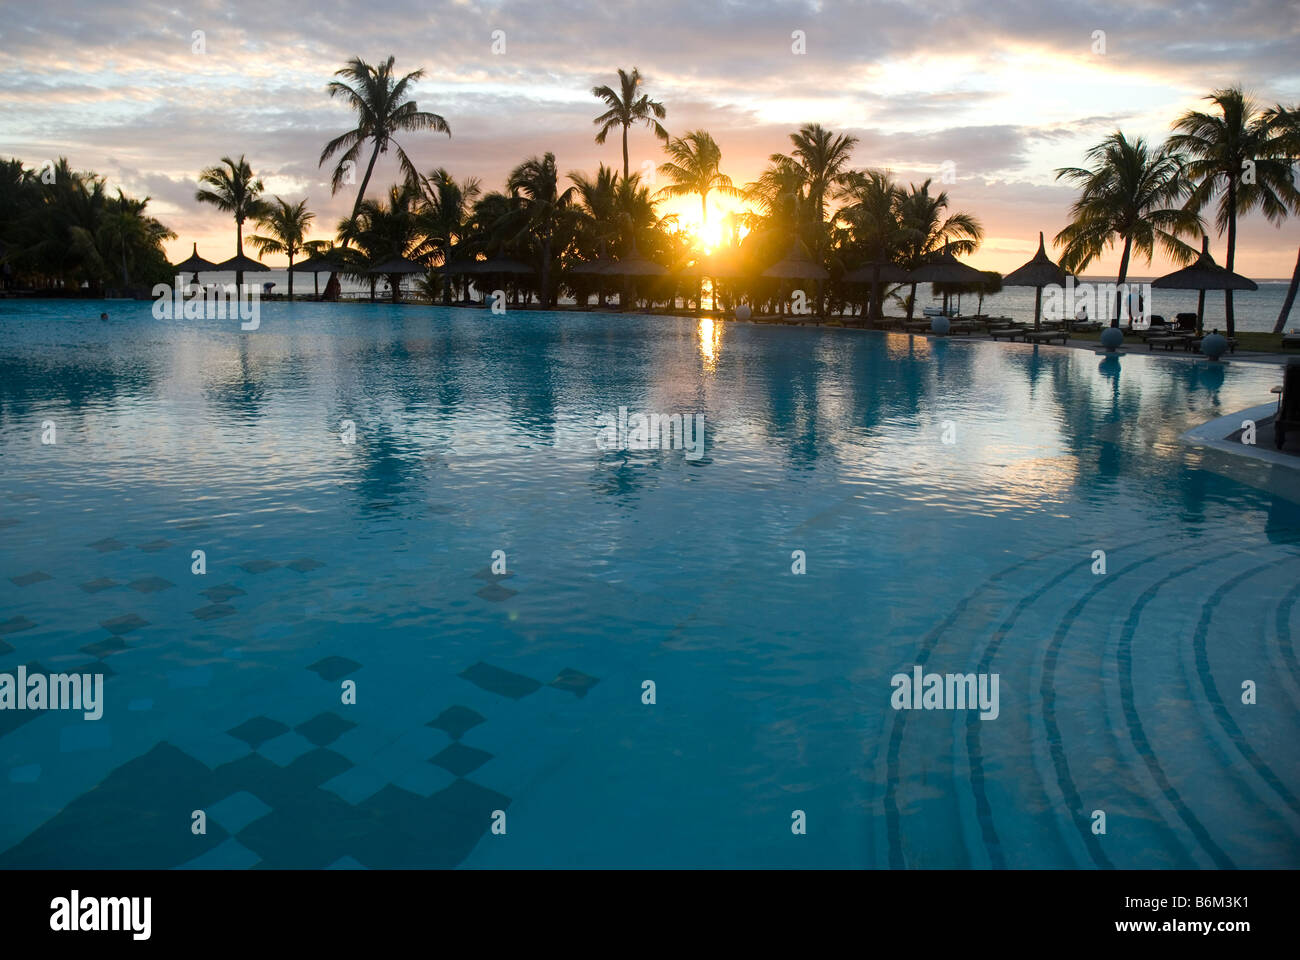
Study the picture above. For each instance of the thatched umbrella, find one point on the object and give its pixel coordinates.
(328, 261)
(719, 265)
(876, 272)
(796, 265)
(492, 266)
(945, 268)
(1204, 275)
(394, 267)
(1039, 272)
(194, 263)
(633, 265)
(241, 265)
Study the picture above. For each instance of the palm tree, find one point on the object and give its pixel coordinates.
(694, 169)
(927, 228)
(543, 209)
(1131, 193)
(626, 107)
(287, 225)
(383, 108)
(382, 231)
(232, 188)
(445, 206)
(126, 234)
(821, 158)
(873, 216)
(1240, 155)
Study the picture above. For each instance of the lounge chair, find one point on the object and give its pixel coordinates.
(1008, 333)
(1288, 404)
(1169, 341)
(1186, 322)
(1291, 339)
(1046, 336)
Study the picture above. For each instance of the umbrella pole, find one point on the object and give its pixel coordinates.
(1200, 314)
(1038, 306)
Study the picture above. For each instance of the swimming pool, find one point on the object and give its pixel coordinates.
(948, 499)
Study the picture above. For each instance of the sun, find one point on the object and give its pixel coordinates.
(707, 236)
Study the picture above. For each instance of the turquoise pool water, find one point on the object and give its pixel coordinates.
(372, 562)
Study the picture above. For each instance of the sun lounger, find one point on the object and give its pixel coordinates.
(1291, 339)
(1167, 342)
(1288, 404)
(1007, 333)
(1046, 336)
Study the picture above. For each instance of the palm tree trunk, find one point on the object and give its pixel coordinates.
(1123, 275)
(1232, 252)
(239, 251)
(291, 275)
(625, 151)
(1290, 298)
(546, 273)
(365, 181)
(911, 302)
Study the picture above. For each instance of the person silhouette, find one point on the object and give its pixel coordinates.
(103, 316)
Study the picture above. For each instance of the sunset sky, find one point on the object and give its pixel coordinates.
(1006, 92)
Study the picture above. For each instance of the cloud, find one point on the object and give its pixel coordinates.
(1006, 92)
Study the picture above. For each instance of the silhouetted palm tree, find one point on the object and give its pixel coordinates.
(1240, 155)
(286, 225)
(694, 169)
(444, 210)
(543, 208)
(927, 228)
(232, 188)
(627, 106)
(1130, 193)
(382, 231)
(383, 109)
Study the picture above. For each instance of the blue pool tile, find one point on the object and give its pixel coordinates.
(423, 779)
(356, 784)
(456, 720)
(153, 546)
(334, 668)
(116, 824)
(102, 648)
(124, 624)
(503, 682)
(230, 855)
(107, 545)
(29, 773)
(15, 624)
(346, 863)
(258, 566)
(27, 579)
(237, 811)
(324, 728)
(495, 592)
(98, 584)
(574, 681)
(222, 592)
(258, 730)
(213, 611)
(284, 750)
(304, 564)
(140, 703)
(150, 584)
(460, 759)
